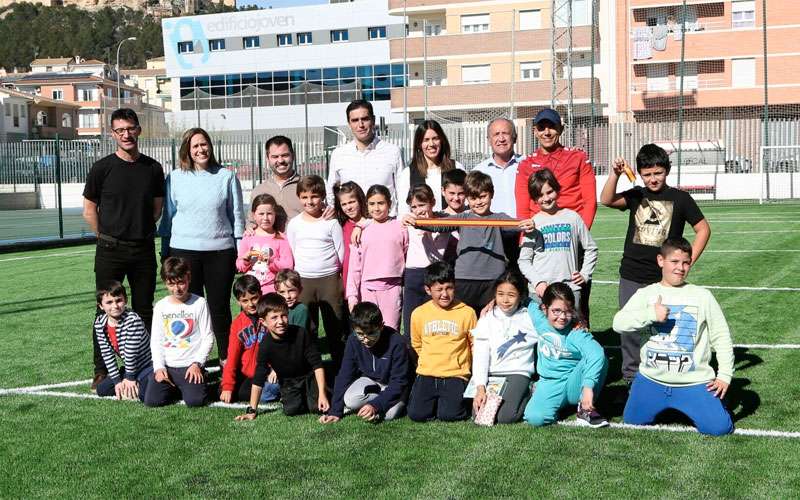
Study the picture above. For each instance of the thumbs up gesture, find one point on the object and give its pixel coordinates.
(662, 311)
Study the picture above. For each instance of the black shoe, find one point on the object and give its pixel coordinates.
(98, 377)
(590, 418)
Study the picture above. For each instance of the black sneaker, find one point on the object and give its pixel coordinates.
(98, 377)
(590, 418)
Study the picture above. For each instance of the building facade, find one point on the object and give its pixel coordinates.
(153, 81)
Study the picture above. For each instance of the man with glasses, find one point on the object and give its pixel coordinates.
(123, 197)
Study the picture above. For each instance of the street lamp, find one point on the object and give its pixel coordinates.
(119, 95)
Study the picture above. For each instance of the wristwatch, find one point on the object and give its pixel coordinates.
(250, 411)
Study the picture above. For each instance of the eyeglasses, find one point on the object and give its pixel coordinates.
(367, 335)
(561, 312)
(122, 130)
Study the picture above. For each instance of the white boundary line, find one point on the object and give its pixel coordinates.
(716, 287)
(716, 233)
(60, 254)
(741, 346)
(754, 250)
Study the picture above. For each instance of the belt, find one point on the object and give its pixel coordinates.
(127, 243)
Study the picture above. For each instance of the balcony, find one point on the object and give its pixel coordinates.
(444, 46)
(638, 4)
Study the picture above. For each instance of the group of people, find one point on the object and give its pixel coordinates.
(442, 294)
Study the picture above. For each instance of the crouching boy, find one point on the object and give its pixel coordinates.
(289, 356)
(684, 323)
(374, 372)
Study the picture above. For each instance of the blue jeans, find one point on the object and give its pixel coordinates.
(648, 398)
(106, 387)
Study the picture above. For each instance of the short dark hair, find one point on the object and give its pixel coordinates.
(359, 103)
(175, 268)
(244, 284)
(381, 190)
(263, 199)
(367, 317)
(113, 288)
(421, 192)
(313, 183)
(515, 279)
(477, 183)
(454, 176)
(279, 140)
(672, 244)
(651, 155)
(288, 276)
(271, 302)
(125, 114)
(556, 291)
(439, 272)
(538, 179)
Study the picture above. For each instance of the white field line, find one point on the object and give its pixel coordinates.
(716, 233)
(60, 254)
(716, 287)
(741, 346)
(754, 250)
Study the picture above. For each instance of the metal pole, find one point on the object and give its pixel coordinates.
(260, 164)
(119, 95)
(680, 91)
(405, 79)
(173, 154)
(766, 92)
(58, 190)
(511, 112)
(252, 141)
(425, 63)
(305, 112)
(592, 111)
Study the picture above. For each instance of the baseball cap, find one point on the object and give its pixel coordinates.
(548, 114)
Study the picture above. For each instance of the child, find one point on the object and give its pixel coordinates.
(289, 355)
(266, 251)
(377, 265)
(504, 344)
(424, 248)
(351, 212)
(288, 285)
(572, 365)
(481, 257)
(657, 212)
(318, 248)
(247, 332)
(453, 192)
(550, 254)
(121, 333)
(441, 339)
(684, 323)
(181, 340)
(374, 373)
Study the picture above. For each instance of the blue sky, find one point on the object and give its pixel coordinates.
(277, 4)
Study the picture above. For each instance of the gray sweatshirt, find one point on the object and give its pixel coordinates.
(550, 253)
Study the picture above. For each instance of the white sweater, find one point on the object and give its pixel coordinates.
(503, 345)
(181, 333)
(317, 246)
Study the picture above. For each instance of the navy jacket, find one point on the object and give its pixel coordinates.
(385, 362)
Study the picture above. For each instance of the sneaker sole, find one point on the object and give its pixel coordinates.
(583, 423)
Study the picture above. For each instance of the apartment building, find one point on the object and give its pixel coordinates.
(153, 81)
(723, 54)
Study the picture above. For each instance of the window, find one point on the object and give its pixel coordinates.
(476, 74)
(284, 40)
(530, 70)
(216, 45)
(743, 14)
(8, 109)
(339, 36)
(581, 13)
(530, 19)
(743, 72)
(304, 38)
(23, 110)
(17, 108)
(87, 94)
(185, 47)
(41, 119)
(109, 92)
(251, 42)
(377, 33)
(66, 120)
(657, 78)
(476, 23)
(690, 80)
(88, 120)
(58, 94)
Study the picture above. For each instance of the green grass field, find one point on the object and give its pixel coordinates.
(74, 446)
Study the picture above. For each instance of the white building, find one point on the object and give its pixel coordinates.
(276, 60)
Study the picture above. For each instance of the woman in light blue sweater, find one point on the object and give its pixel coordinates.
(202, 221)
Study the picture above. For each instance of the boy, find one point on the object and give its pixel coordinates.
(121, 333)
(480, 254)
(318, 247)
(684, 324)
(247, 332)
(552, 252)
(374, 373)
(182, 338)
(440, 336)
(289, 286)
(657, 212)
(453, 191)
(289, 355)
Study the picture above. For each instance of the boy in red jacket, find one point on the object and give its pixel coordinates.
(245, 337)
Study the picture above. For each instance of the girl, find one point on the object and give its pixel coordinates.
(376, 267)
(504, 342)
(424, 248)
(551, 253)
(351, 212)
(572, 365)
(430, 159)
(266, 251)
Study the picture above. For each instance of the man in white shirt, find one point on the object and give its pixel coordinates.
(366, 160)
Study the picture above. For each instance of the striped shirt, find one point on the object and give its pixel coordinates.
(133, 341)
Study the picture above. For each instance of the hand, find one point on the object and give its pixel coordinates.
(194, 375)
(329, 213)
(578, 278)
(249, 229)
(246, 416)
(355, 238)
(328, 419)
(226, 396)
(540, 288)
(618, 167)
(127, 389)
(718, 387)
(409, 220)
(587, 399)
(480, 399)
(368, 413)
(162, 376)
(351, 303)
(322, 403)
(487, 308)
(272, 378)
(662, 311)
(527, 225)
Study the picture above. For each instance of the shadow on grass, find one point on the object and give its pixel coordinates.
(37, 304)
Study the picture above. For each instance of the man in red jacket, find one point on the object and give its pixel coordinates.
(572, 169)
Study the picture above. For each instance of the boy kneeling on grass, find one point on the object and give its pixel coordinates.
(374, 374)
(289, 356)
(121, 333)
(684, 323)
